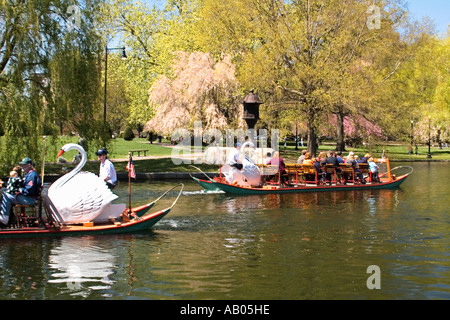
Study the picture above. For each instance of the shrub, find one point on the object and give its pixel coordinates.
(128, 134)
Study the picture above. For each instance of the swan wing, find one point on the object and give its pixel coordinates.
(82, 198)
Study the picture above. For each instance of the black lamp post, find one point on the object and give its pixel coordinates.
(412, 132)
(124, 56)
(429, 138)
(251, 111)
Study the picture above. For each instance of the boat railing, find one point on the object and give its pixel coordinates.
(268, 170)
(167, 192)
(409, 168)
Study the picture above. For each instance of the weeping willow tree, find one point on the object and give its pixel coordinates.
(76, 93)
(49, 76)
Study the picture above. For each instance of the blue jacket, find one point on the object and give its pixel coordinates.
(32, 184)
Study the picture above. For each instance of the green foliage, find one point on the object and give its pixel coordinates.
(152, 37)
(307, 58)
(128, 134)
(49, 75)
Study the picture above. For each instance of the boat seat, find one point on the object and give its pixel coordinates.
(363, 168)
(331, 173)
(308, 174)
(347, 172)
(294, 171)
(27, 216)
(268, 170)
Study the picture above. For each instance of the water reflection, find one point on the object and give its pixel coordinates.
(81, 266)
(289, 246)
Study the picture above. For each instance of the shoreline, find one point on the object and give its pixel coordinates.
(170, 175)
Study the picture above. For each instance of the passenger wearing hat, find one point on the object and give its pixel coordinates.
(28, 194)
(107, 170)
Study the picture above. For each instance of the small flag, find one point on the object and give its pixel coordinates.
(130, 168)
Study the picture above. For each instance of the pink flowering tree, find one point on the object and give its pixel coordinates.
(355, 128)
(199, 89)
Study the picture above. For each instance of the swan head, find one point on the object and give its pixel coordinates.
(61, 181)
(71, 146)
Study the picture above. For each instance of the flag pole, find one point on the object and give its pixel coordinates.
(129, 182)
(43, 160)
(42, 174)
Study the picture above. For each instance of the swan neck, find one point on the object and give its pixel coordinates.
(61, 181)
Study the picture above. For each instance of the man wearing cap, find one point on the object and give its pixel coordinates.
(28, 194)
(107, 170)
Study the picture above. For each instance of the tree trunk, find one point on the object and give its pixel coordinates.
(312, 137)
(340, 143)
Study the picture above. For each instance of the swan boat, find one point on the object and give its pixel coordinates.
(297, 185)
(80, 203)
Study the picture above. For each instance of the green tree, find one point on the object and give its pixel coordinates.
(428, 84)
(152, 37)
(303, 53)
(46, 46)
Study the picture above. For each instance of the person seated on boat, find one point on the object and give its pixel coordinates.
(319, 172)
(365, 158)
(308, 161)
(352, 159)
(340, 160)
(331, 160)
(349, 159)
(322, 156)
(28, 194)
(339, 157)
(358, 172)
(278, 161)
(350, 154)
(373, 167)
(15, 181)
(302, 157)
(107, 170)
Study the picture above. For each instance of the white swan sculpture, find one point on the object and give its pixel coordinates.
(249, 176)
(79, 197)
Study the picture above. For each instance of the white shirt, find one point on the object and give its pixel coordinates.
(107, 170)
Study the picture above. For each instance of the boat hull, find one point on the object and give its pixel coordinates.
(234, 189)
(142, 223)
(206, 184)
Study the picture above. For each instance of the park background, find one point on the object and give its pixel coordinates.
(337, 73)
